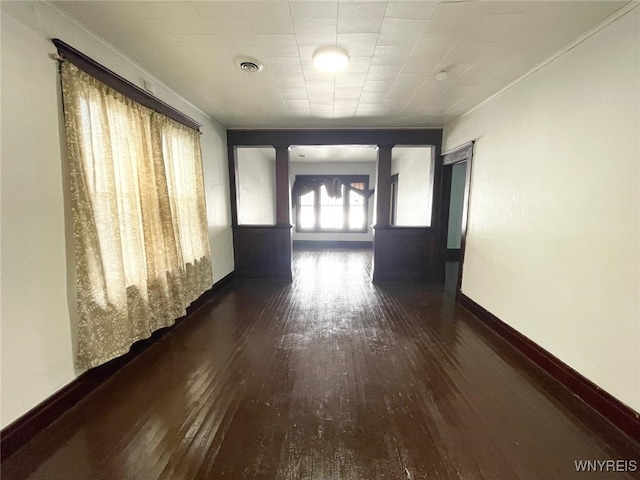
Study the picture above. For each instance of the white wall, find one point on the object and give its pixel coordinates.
(256, 185)
(38, 301)
(337, 168)
(415, 185)
(553, 246)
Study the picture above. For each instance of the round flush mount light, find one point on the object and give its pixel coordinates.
(331, 59)
(441, 75)
(248, 65)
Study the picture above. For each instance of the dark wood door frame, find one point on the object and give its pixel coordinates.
(458, 155)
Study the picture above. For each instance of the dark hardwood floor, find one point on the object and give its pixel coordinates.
(330, 377)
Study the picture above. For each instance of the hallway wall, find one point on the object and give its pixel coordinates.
(38, 296)
(552, 242)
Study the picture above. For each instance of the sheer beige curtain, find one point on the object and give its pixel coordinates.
(139, 219)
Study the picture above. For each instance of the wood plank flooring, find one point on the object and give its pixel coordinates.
(329, 377)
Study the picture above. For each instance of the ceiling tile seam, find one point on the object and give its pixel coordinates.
(411, 99)
(370, 59)
(429, 23)
(456, 103)
(622, 11)
(300, 57)
(295, 33)
(439, 64)
(425, 28)
(457, 80)
(407, 17)
(333, 106)
(412, 49)
(99, 39)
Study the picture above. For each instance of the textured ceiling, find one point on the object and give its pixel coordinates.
(334, 153)
(395, 48)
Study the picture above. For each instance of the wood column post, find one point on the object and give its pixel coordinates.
(283, 187)
(232, 163)
(383, 187)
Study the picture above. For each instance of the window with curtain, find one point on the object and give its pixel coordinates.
(330, 203)
(139, 219)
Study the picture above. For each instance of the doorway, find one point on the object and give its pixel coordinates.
(454, 230)
(456, 175)
(331, 195)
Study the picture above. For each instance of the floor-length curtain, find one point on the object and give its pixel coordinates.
(139, 220)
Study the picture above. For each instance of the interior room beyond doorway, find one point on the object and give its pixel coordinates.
(332, 195)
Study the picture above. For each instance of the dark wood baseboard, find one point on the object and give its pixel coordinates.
(612, 409)
(399, 276)
(453, 254)
(209, 294)
(332, 244)
(279, 275)
(19, 432)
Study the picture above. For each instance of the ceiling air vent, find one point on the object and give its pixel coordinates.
(248, 65)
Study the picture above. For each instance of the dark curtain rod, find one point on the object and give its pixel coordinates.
(121, 85)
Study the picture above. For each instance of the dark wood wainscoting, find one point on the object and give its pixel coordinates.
(320, 244)
(405, 253)
(262, 252)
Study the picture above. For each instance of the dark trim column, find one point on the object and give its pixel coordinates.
(383, 187)
(283, 214)
(381, 246)
(437, 215)
(231, 155)
(283, 187)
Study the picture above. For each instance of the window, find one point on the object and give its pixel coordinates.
(330, 203)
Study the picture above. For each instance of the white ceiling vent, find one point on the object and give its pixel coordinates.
(248, 65)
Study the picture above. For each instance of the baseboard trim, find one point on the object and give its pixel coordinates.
(209, 294)
(278, 275)
(22, 430)
(331, 244)
(612, 409)
(400, 276)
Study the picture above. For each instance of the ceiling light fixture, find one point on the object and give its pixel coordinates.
(331, 59)
(442, 75)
